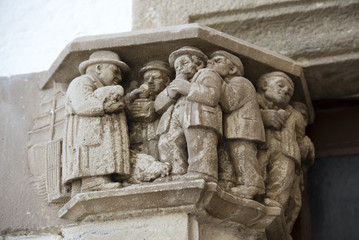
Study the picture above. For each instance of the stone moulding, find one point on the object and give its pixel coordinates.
(194, 197)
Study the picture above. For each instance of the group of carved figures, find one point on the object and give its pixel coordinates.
(202, 121)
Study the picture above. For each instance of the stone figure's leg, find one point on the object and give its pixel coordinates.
(202, 153)
(295, 202)
(226, 174)
(263, 158)
(172, 148)
(280, 177)
(153, 149)
(244, 158)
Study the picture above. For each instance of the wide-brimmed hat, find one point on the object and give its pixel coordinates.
(234, 59)
(156, 65)
(103, 57)
(186, 50)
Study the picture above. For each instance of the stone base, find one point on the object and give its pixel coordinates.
(193, 208)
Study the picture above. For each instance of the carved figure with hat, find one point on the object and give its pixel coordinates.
(192, 119)
(96, 144)
(280, 154)
(156, 75)
(243, 126)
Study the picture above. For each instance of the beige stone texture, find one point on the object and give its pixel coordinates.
(206, 206)
(34, 237)
(256, 60)
(23, 201)
(321, 35)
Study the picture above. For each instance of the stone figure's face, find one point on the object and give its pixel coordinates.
(220, 64)
(279, 91)
(110, 74)
(184, 65)
(156, 81)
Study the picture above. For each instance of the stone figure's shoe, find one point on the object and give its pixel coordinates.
(247, 191)
(197, 175)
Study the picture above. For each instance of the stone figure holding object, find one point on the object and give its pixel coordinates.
(242, 121)
(280, 154)
(192, 119)
(96, 144)
(140, 101)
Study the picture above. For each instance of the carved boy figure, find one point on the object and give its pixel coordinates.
(190, 128)
(143, 137)
(96, 144)
(281, 152)
(243, 126)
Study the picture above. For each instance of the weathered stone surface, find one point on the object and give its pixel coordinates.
(307, 31)
(92, 96)
(191, 197)
(34, 237)
(256, 60)
(23, 195)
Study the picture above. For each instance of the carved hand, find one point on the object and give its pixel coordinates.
(273, 118)
(181, 86)
(114, 103)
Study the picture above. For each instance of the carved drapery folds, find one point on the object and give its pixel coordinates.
(192, 115)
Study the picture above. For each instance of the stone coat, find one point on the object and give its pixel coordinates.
(201, 103)
(284, 139)
(241, 116)
(95, 143)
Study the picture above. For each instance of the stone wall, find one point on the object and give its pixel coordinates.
(321, 35)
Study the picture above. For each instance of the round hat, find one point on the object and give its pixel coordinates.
(278, 74)
(103, 57)
(156, 65)
(186, 50)
(234, 59)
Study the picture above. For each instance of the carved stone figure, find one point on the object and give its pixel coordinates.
(140, 101)
(243, 127)
(280, 154)
(96, 144)
(192, 119)
(307, 158)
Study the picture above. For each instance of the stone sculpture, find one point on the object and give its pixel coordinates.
(143, 123)
(157, 151)
(96, 144)
(242, 123)
(307, 159)
(192, 119)
(144, 119)
(280, 154)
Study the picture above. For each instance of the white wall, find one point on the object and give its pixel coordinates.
(34, 32)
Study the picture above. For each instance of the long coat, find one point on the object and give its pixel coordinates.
(242, 118)
(95, 143)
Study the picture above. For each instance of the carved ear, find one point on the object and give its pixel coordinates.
(264, 85)
(98, 68)
(233, 70)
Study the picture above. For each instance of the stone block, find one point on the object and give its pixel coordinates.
(321, 36)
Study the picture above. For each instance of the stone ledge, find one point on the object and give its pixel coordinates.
(194, 197)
